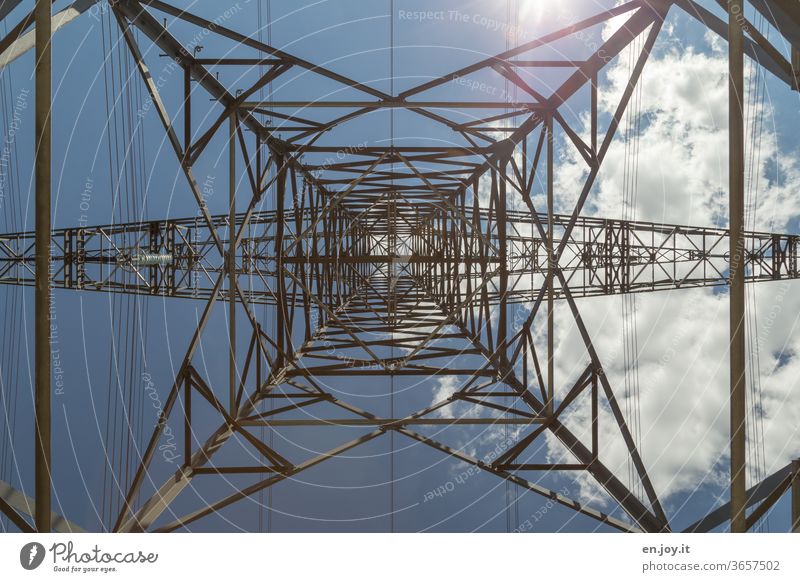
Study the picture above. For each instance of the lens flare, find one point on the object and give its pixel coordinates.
(532, 12)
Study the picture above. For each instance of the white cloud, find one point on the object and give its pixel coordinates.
(683, 364)
(683, 335)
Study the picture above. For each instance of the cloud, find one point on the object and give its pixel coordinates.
(683, 373)
(682, 336)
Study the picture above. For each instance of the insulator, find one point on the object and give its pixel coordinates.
(151, 259)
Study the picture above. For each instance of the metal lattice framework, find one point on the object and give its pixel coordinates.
(408, 260)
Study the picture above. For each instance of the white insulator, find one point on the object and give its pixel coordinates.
(151, 259)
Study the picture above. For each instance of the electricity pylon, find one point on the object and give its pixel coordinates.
(396, 260)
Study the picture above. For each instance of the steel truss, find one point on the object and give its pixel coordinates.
(393, 261)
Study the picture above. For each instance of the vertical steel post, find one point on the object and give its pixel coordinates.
(280, 300)
(550, 273)
(737, 266)
(232, 263)
(187, 114)
(796, 496)
(42, 297)
(502, 242)
(594, 100)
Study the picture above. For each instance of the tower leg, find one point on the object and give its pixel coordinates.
(42, 295)
(796, 496)
(737, 268)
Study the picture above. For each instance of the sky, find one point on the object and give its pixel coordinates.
(682, 335)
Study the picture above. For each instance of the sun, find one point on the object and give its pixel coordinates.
(533, 11)
(525, 17)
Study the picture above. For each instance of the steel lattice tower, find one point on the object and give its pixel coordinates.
(397, 260)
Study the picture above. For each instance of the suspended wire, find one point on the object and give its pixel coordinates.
(262, 430)
(392, 270)
(507, 499)
(630, 337)
(754, 117)
(124, 424)
(270, 96)
(107, 477)
(264, 18)
(264, 9)
(511, 501)
(141, 162)
(10, 363)
(515, 99)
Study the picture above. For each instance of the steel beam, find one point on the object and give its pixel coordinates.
(551, 267)
(43, 295)
(738, 411)
(231, 267)
(762, 54)
(391, 104)
(784, 15)
(795, 527)
(7, 6)
(22, 505)
(27, 41)
(757, 493)
(392, 422)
